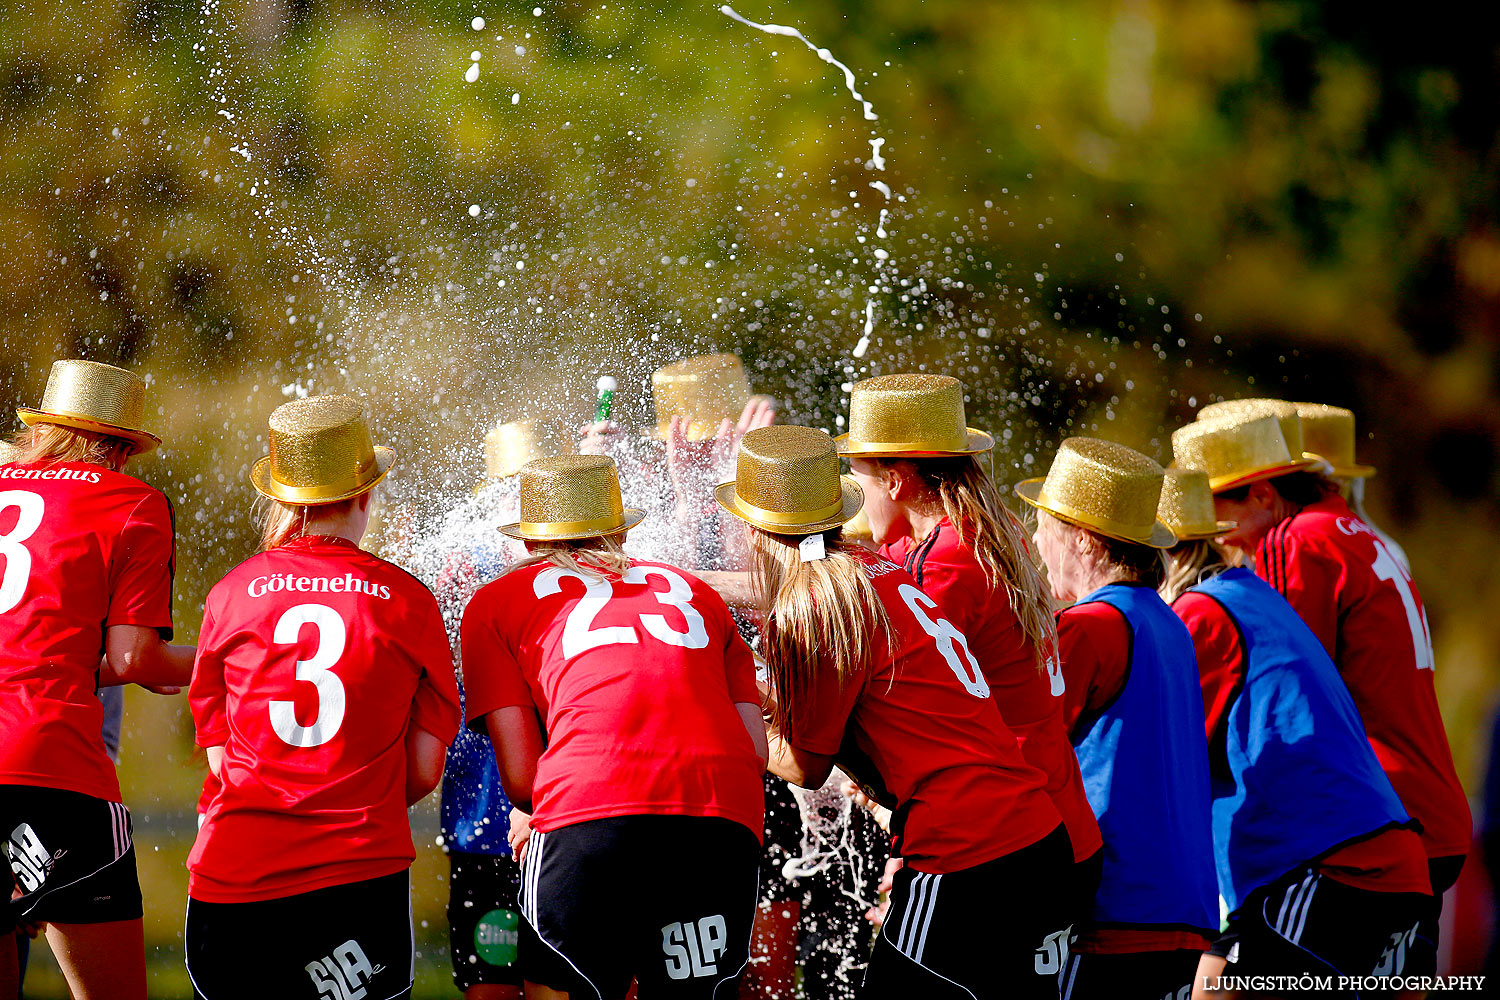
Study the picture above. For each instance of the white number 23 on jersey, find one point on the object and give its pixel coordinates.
(579, 635)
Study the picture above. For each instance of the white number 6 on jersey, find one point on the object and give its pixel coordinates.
(945, 634)
(331, 639)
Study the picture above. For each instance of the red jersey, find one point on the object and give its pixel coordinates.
(1390, 861)
(313, 660)
(635, 679)
(1030, 699)
(1365, 609)
(924, 723)
(82, 548)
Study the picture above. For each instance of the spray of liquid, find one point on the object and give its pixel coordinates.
(875, 163)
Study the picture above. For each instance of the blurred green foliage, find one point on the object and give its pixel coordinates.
(1109, 212)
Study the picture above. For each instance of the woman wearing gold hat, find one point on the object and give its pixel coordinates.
(622, 704)
(325, 697)
(1135, 715)
(1366, 611)
(86, 558)
(1277, 716)
(934, 510)
(866, 672)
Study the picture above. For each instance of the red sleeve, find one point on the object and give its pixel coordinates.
(492, 675)
(142, 568)
(739, 670)
(1308, 579)
(206, 692)
(1093, 643)
(826, 714)
(435, 706)
(1221, 656)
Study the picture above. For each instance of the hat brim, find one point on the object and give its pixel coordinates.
(1220, 528)
(260, 478)
(629, 519)
(1218, 484)
(142, 441)
(978, 443)
(1162, 537)
(851, 500)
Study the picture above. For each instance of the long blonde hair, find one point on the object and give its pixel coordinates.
(817, 616)
(987, 528)
(597, 556)
(55, 444)
(282, 522)
(1189, 564)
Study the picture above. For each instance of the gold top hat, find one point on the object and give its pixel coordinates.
(909, 416)
(7, 453)
(508, 446)
(1104, 487)
(1235, 450)
(787, 482)
(321, 452)
(1187, 506)
(89, 396)
(1328, 432)
(704, 390)
(571, 496)
(1286, 415)
(858, 526)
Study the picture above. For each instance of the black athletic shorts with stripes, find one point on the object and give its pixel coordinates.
(1306, 922)
(72, 856)
(666, 900)
(976, 933)
(342, 942)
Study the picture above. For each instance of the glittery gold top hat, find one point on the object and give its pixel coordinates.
(1104, 487)
(1286, 415)
(909, 416)
(89, 396)
(1235, 450)
(787, 482)
(510, 445)
(569, 497)
(7, 453)
(321, 452)
(1187, 506)
(704, 390)
(1328, 432)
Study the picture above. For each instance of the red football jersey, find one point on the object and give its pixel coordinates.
(81, 548)
(1093, 642)
(924, 722)
(313, 660)
(635, 680)
(1030, 699)
(1364, 607)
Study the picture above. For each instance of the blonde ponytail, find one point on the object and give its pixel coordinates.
(997, 539)
(820, 617)
(1189, 564)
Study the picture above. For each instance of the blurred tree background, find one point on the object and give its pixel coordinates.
(1103, 214)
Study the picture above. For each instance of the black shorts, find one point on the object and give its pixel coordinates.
(72, 855)
(666, 900)
(1413, 951)
(329, 944)
(1307, 922)
(484, 919)
(1142, 975)
(975, 933)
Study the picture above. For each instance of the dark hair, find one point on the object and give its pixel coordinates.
(1297, 488)
(1140, 563)
(1304, 488)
